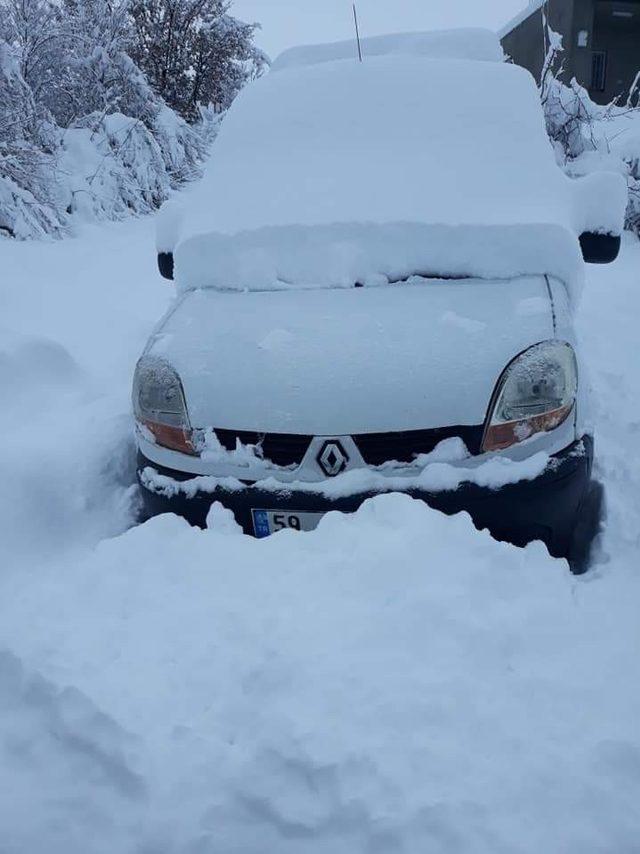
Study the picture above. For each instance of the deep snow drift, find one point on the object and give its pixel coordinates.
(74, 315)
(392, 682)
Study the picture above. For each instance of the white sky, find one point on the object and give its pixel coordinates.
(290, 22)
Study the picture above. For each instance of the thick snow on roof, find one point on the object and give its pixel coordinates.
(477, 44)
(532, 6)
(344, 172)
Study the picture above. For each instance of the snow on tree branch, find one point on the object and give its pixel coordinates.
(106, 105)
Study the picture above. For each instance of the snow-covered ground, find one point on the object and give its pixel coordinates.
(394, 682)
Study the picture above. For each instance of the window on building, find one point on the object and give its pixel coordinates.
(599, 71)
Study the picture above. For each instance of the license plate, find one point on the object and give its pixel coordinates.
(267, 522)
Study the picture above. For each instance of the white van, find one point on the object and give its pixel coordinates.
(375, 286)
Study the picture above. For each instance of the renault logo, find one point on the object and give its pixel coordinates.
(332, 458)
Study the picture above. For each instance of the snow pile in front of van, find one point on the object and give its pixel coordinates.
(394, 681)
(343, 173)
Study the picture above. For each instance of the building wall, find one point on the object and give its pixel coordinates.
(525, 44)
(581, 57)
(620, 38)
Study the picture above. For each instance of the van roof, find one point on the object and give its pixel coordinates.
(344, 172)
(472, 43)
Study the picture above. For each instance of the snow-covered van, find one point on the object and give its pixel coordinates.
(375, 287)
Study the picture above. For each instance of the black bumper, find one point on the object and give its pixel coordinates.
(546, 508)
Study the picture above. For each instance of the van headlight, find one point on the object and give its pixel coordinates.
(535, 394)
(159, 405)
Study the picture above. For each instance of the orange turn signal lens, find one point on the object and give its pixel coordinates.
(174, 438)
(501, 436)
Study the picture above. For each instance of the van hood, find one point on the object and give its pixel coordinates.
(409, 356)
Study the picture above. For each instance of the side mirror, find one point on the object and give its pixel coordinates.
(165, 264)
(599, 248)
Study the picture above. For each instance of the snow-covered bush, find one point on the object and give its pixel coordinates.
(586, 136)
(84, 128)
(182, 145)
(113, 167)
(94, 73)
(27, 190)
(629, 150)
(595, 139)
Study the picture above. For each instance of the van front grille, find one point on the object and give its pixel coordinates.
(403, 447)
(283, 449)
(288, 449)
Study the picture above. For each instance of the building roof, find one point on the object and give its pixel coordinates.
(530, 9)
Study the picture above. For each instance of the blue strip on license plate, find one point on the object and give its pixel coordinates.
(261, 523)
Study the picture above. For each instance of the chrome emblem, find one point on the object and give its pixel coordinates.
(332, 458)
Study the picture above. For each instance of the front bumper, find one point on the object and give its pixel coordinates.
(546, 508)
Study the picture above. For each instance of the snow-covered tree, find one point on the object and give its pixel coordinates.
(95, 74)
(567, 109)
(224, 59)
(31, 26)
(27, 190)
(193, 52)
(82, 130)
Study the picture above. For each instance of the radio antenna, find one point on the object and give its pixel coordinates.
(355, 21)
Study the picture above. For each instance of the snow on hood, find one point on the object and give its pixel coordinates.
(471, 43)
(325, 346)
(343, 172)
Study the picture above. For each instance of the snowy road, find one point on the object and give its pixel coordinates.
(393, 682)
